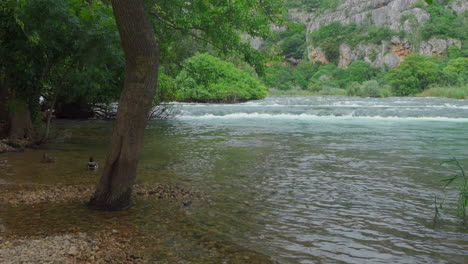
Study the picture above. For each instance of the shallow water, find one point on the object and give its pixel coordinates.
(311, 179)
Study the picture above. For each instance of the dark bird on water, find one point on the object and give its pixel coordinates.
(92, 165)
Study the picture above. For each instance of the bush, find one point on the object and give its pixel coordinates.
(359, 71)
(206, 78)
(167, 89)
(458, 67)
(327, 90)
(457, 92)
(303, 73)
(414, 74)
(454, 52)
(367, 89)
(291, 42)
(279, 76)
(444, 23)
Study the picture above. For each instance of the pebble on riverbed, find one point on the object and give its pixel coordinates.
(100, 247)
(105, 246)
(64, 193)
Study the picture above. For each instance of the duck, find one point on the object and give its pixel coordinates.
(47, 159)
(92, 165)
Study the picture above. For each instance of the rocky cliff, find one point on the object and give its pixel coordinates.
(398, 15)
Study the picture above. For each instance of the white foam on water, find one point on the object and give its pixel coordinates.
(309, 116)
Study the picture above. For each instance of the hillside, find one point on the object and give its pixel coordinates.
(371, 48)
(380, 32)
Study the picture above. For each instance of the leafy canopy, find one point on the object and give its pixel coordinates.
(414, 74)
(67, 45)
(206, 78)
(216, 23)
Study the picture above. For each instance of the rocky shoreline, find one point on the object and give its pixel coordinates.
(102, 246)
(34, 194)
(107, 246)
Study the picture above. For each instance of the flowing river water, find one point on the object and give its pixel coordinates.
(303, 179)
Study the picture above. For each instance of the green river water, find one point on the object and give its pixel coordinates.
(303, 179)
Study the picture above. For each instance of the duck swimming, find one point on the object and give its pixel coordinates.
(92, 165)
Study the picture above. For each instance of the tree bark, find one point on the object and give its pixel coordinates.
(114, 189)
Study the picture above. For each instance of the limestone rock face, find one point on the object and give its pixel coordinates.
(435, 46)
(459, 6)
(389, 13)
(377, 12)
(316, 54)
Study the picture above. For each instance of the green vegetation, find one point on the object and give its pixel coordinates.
(68, 53)
(370, 88)
(308, 78)
(313, 5)
(291, 42)
(331, 36)
(64, 57)
(274, 91)
(444, 23)
(460, 180)
(457, 92)
(414, 75)
(65, 52)
(206, 78)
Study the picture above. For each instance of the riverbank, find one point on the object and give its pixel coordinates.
(106, 246)
(109, 245)
(454, 92)
(34, 194)
(50, 224)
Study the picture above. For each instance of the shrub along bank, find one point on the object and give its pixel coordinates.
(415, 75)
(205, 78)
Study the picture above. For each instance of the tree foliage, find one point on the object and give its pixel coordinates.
(64, 51)
(206, 78)
(359, 71)
(445, 23)
(414, 74)
(216, 23)
(331, 36)
(290, 43)
(456, 71)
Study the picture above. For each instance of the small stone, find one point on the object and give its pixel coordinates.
(73, 251)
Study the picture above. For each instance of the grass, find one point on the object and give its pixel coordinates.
(290, 92)
(457, 92)
(325, 91)
(460, 180)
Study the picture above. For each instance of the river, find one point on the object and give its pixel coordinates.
(303, 179)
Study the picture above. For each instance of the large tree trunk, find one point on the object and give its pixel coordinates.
(141, 69)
